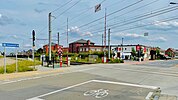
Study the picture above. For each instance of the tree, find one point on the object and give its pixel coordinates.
(40, 51)
(133, 52)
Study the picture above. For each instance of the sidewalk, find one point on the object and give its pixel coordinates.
(137, 62)
(40, 71)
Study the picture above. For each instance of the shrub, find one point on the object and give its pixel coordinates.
(99, 60)
(116, 61)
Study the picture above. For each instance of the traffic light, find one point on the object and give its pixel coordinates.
(33, 37)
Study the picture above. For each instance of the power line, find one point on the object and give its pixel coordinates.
(149, 24)
(141, 17)
(68, 8)
(145, 17)
(54, 11)
(83, 12)
(111, 13)
(125, 13)
(62, 12)
(62, 6)
(134, 9)
(158, 22)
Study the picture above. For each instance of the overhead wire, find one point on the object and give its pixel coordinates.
(158, 22)
(56, 10)
(68, 9)
(82, 13)
(62, 6)
(148, 24)
(125, 13)
(139, 18)
(111, 14)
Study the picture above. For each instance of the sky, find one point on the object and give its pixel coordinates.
(128, 19)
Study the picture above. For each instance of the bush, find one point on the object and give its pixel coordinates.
(99, 60)
(116, 61)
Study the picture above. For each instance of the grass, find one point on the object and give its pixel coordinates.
(23, 66)
(1, 57)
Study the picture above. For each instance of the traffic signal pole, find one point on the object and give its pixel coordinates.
(33, 47)
(33, 44)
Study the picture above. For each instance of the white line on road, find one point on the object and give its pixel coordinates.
(100, 81)
(127, 84)
(148, 97)
(38, 97)
(38, 77)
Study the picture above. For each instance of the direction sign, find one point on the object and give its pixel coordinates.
(10, 45)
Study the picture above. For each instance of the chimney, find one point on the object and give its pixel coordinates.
(88, 42)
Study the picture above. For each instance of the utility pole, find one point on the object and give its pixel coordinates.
(102, 39)
(109, 55)
(105, 37)
(67, 43)
(58, 38)
(49, 46)
(122, 49)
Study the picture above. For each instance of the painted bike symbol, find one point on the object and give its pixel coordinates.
(101, 93)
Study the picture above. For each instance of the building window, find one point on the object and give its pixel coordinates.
(125, 48)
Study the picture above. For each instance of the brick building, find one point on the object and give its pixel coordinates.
(74, 46)
(54, 47)
(170, 52)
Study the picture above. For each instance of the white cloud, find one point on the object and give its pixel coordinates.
(27, 46)
(74, 29)
(158, 39)
(134, 35)
(170, 23)
(14, 36)
(87, 34)
(0, 15)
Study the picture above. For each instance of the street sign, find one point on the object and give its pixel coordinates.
(10, 45)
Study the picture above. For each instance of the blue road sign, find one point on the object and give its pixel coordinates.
(10, 45)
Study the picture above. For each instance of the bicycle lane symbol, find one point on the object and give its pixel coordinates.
(100, 93)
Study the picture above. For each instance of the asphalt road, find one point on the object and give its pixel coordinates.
(107, 82)
(162, 63)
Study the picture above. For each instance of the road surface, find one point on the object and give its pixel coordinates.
(106, 81)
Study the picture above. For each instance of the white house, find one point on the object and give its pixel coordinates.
(125, 51)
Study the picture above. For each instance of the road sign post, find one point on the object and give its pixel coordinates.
(4, 60)
(16, 61)
(9, 45)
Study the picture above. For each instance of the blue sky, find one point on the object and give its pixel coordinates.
(19, 17)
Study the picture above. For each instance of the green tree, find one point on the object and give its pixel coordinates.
(133, 52)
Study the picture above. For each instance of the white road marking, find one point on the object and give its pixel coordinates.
(59, 90)
(149, 96)
(100, 81)
(38, 77)
(127, 84)
(35, 99)
(100, 93)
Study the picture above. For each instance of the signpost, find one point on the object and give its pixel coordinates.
(9, 45)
